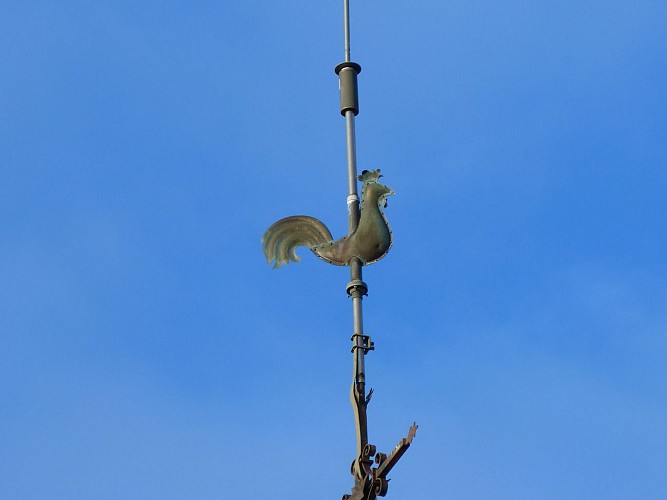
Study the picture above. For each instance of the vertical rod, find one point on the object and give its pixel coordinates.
(353, 197)
(356, 288)
(346, 14)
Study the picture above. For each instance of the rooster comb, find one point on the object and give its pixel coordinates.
(370, 175)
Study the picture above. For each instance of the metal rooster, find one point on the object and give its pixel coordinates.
(369, 242)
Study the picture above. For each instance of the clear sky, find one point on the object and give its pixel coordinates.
(147, 351)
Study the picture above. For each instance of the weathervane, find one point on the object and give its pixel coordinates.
(368, 240)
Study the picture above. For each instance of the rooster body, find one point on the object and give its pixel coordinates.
(369, 242)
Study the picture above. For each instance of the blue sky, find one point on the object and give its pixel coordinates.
(148, 352)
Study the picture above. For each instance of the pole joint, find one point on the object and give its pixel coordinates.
(356, 289)
(349, 92)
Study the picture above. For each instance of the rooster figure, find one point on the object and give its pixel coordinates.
(369, 242)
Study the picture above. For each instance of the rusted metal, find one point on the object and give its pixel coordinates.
(373, 481)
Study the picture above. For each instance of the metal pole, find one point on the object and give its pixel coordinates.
(349, 108)
(353, 197)
(369, 482)
(346, 15)
(356, 289)
(368, 240)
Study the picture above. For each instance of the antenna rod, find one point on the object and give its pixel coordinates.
(346, 14)
(356, 288)
(349, 108)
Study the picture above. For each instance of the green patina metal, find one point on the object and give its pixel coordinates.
(369, 241)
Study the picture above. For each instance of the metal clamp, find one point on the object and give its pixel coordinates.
(366, 343)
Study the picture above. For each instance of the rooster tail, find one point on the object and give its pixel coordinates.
(283, 237)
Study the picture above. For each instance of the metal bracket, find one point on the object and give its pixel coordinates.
(375, 483)
(367, 344)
